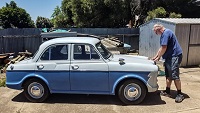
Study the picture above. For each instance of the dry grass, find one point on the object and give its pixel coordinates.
(2, 80)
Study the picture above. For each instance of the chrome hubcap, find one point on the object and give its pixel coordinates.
(132, 92)
(36, 90)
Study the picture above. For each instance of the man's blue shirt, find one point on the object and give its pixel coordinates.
(169, 39)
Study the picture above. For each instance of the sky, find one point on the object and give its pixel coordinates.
(35, 8)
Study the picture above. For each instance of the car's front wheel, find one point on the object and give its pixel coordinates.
(36, 90)
(132, 92)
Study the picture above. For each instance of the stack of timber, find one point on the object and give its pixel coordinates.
(5, 56)
(21, 56)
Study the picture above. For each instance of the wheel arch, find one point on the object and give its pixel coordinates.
(121, 81)
(35, 77)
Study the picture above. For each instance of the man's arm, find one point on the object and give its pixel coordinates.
(160, 52)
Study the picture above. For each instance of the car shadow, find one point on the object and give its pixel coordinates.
(151, 99)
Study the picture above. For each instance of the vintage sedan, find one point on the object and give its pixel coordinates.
(82, 65)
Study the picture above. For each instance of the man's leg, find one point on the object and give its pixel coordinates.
(167, 66)
(168, 82)
(177, 84)
(175, 73)
(179, 98)
(175, 76)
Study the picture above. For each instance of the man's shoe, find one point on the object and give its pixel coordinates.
(179, 98)
(164, 93)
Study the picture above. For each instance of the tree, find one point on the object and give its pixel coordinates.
(59, 19)
(160, 12)
(12, 16)
(96, 13)
(118, 13)
(174, 15)
(187, 8)
(138, 11)
(43, 22)
(156, 13)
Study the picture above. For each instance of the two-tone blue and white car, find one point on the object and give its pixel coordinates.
(82, 65)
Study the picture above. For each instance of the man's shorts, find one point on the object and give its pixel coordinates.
(172, 67)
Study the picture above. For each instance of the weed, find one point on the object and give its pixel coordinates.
(2, 82)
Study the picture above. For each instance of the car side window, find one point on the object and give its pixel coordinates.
(56, 52)
(84, 52)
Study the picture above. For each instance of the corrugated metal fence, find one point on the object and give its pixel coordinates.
(17, 40)
(104, 31)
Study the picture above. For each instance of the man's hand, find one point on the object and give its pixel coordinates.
(156, 59)
(160, 52)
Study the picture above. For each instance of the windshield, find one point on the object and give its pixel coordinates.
(102, 49)
(35, 54)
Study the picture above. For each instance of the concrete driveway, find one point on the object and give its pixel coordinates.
(13, 101)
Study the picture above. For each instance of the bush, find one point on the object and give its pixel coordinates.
(160, 12)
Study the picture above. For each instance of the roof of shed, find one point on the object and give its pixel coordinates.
(174, 21)
(180, 20)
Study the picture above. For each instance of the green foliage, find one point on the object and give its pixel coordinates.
(59, 19)
(174, 15)
(118, 13)
(43, 22)
(187, 8)
(156, 13)
(160, 12)
(12, 16)
(96, 13)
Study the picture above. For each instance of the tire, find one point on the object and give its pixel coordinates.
(36, 90)
(132, 92)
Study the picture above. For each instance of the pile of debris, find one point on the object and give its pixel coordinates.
(115, 45)
(12, 60)
(5, 56)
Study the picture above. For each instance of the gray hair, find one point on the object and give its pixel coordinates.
(158, 27)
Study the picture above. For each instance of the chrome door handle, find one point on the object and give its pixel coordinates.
(40, 66)
(75, 67)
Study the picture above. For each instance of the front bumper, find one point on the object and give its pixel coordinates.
(152, 83)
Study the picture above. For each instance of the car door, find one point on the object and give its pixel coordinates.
(88, 71)
(53, 66)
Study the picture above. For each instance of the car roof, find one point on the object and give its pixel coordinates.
(88, 40)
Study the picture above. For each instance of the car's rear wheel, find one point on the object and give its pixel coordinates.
(36, 90)
(132, 92)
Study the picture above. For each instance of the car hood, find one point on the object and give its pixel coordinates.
(132, 59)
(25, 61)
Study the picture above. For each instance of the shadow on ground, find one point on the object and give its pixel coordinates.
(151, 99)
(174, 93)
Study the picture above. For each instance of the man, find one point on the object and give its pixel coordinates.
(171, 51)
